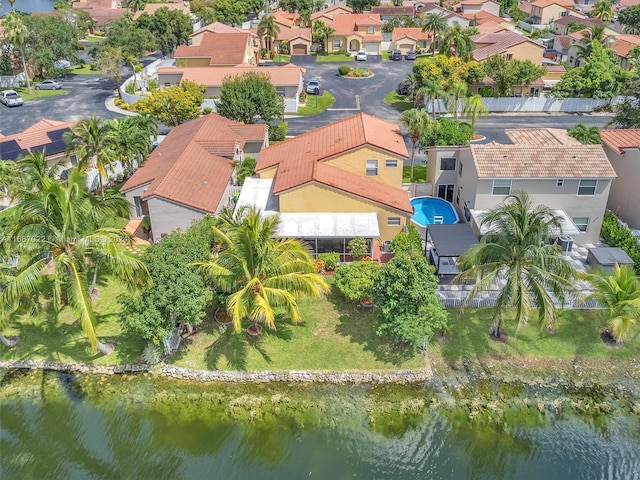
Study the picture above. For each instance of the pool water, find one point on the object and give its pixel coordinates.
(426, 208)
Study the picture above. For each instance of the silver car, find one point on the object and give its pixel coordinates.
(49, 85)
(10, 98)
(313, 85)
(361, 56)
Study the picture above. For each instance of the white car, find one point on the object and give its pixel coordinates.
(11, 98)
(312, 85)
(361, 56)
(49, 85)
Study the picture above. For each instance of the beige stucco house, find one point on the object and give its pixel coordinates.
(191, 173)
(543, 12)
(555, 170)
(470, 7)
(209, 49)
(408, 39)
(334, 183)
(623, 151)
(354, 32)
(507, 43)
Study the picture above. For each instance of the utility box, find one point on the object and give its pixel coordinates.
(606, 257)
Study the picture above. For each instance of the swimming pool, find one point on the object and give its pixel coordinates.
(430, 210)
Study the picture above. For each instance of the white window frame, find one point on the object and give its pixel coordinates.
(393, 221)
(582, 224)
(493, 189)
(595, 187)
(337, 44)
(282, 91)
(372, 171)
(371, 30)
(448, 169)
(560, 182)
(391, 163)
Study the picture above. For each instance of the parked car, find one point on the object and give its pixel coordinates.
(49, 85)
(396, 55)
(411, 55)
(404, 87)
(11, 98)
(361, 56)
(313, 85)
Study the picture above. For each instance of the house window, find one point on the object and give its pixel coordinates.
(587, 187)
(460, 170)
(137, 201)
(372, 168)
(391, 163)
(73, 158)
(336, 44)
(371, 30)
(501, 187)
(560, 182)
(448, 164)
(393, 221)
(582, 223)
(167, 85)
(280, 91)
(509, 56)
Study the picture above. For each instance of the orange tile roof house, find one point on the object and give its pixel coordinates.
(623, 150)
(354, 32)
(543, 12)
(217, 50)
(407, 39)
(334, 183)
(191, 174)
(553, 168)
(622, 45)
(507, 43)
(467, 7)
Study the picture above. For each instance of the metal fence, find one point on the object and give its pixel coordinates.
(457, 298)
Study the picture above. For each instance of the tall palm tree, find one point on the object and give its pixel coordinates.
(602, 11)
(473, 109)
(63, 223)
(16, 32)
(34, 168)
(90, 138)
(516, 258)
(433, 89)
(589, 35)
(619, 292)
(456, 94)
(135, 5)
(436, 23)
(268, 30)
(585, 135)
(130, 141)
(456, 42)
(262, 274)
(418, 123)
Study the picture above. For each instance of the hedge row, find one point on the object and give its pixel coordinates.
(618, 235)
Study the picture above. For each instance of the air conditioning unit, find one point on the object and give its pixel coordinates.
(386, 246)
(565, 242)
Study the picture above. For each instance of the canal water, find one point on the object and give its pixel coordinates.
(27, 6)
(62, 426)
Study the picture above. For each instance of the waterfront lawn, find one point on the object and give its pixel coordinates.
(419, 173)
(578, 336)
(57, 336)
(324, 101)
(397, 101)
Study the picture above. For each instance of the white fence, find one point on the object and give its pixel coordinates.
(12, 81)
(142, 81)
(171, 342)
(534, 104)
(457, 298)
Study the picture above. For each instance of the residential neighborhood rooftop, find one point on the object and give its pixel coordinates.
(540, 136)
(621, 140)
(285, 75)
(489, 44)
(221, 49)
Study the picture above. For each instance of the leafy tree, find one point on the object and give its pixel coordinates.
(405, 293)
(602, 11)
(249, 96)
(619, 292)
(506, 73)
(16, 34)
(585, 47)
(62, 222)
(599, 77)
(320, 33)
(516, 254)
(110, 63)
(456, 42)
(135, 5)
(133, 40)
(268, 31)
(436, 23)
(573, 27)
(232, 12)
(169, 27)
(627, 113)
(173, 105)
(419, 124)
(449, 132)
(245, 168)
(260, 273)
(404, 21)
(517, 14)
(360, 6)
(585, 135)
(409, 242)
(448, 70)
(473, 109)
(630, 18)
(179, 293)
(355, 280)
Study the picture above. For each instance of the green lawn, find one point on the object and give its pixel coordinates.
(343, 57)
(81, 70)
(36, 94)
(385, 56)
(94, 38)
(316, 104)
(282, 58)
(399, 102)
(419, 174)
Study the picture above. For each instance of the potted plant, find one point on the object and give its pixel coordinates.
(222, 317)
(358, 247)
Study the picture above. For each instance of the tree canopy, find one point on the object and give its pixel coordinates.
(449, 132)
(173, 105)
(506, 73)
(169, 27)
(248, 97)
(447, 70)
(630, 18)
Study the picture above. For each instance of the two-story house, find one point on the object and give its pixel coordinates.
(571, 178)
(354, 32)
(543, 12)
(210, 49)
(507, 43)
(623, 150)
(335, 183)
(622, 45)
(191, 173)
(471, 7)
(410, 39)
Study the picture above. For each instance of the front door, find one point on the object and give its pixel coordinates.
(446, 191)
(138, 203)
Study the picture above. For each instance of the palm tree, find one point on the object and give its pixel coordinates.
(593, 34)
(516, 253)
(135, 5)
(602, 11)
(418, 122)
(456, 92)
(262, 274)
(456, 42)
(619, 292)
(34, 168)
(473, 108)
(130, 141)
(63, 223)
(436, 23)
(432, 88)
(90, 138)
(268, 29)
(585, 135)
(16, 32)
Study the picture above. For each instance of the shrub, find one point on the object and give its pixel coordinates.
(617, 235)
(319, 266)
(487, 92)
(207, 110)
(355, 280)
(278, 132)
(358, 248)
(344, 69)
(153, 84)
(130, 88)
(330, 260)
(303, 97)
(244, 169)
(152, 354)
(407, 242)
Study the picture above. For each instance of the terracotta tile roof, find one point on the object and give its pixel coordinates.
(37, 136)
(188, 167)
(347, 24)
(221, 49)
(488, 44)
(490, 27)
(393, 10)
(331, 12)
(152, 8)
(540, 136)
(573, 19)
(214, 76)
(285, 19)
(483, 17)
(414, 33)
(626, 3)
(333, 139)
(550, 161)
(555, 68)
(564, 40)
(216, 27)
(293, 33)
(546, 3)
(525, 7)
(621, 140)
(623, 44)
(476, 2)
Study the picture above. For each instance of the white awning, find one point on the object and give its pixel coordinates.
(566, 224)
(328, 225)
(256, 192)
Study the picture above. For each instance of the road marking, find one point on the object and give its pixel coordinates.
(357, 102)
(341, 109)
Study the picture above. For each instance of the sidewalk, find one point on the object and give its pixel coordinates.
(110, 105)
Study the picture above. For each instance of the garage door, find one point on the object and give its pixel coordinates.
(372, 48)
(299, 49)
(405, 47)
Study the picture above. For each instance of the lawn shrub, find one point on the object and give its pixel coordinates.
(344, 69)
(278, 132)
(618, 235)
(355, 280)
(330, 260)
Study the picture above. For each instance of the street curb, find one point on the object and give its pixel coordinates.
(110, 105)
